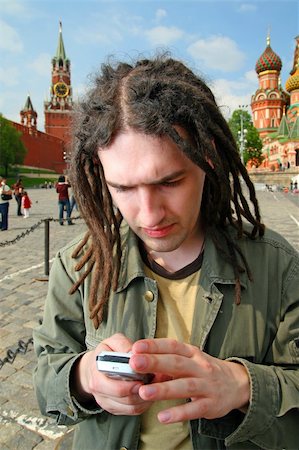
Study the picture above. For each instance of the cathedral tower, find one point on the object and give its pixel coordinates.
(58, 109)
(268, 102)
(292, 86)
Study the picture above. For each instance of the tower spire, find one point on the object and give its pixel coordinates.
(60, 52)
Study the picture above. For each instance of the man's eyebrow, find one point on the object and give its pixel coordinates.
(162, 180)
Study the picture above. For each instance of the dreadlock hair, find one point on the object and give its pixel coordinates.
(153, 96)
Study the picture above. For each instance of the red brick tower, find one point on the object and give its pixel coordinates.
(269, 101)
(29, 116)
(58, 109)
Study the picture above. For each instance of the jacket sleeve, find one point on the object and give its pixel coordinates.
(272, 418)
(59, 342)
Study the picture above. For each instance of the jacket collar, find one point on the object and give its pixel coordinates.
(214, 269)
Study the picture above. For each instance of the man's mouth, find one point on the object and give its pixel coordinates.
(158, 232)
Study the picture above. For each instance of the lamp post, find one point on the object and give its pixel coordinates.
(242, 133)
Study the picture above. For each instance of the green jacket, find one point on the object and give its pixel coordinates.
(262, 333)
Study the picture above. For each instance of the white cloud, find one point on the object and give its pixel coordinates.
(230, 94)
(9, 76)
(217, 52)
(103, 37)
(12, 7)
(21, 9)
(42, 64)
(160, 13)
(247, 7)
(115, 28)
(163, 35)
(251, 77)
(10, 105)
(9, 38)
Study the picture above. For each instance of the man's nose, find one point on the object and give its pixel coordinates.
(151, 207)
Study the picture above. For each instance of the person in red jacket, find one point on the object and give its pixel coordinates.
(26, 204)
(62, 188)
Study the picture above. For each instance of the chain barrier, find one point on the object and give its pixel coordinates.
(20, 236)
(11, 354)
(31, 229)
(22, 347)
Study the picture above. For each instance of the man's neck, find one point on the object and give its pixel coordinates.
(179, 258)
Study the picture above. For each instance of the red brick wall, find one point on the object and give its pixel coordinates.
(43, 150)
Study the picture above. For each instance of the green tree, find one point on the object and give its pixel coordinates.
(12, 149)
(252, 144)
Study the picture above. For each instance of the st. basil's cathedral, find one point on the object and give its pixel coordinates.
(275, 114)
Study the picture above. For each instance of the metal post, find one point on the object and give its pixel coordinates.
(242, 138)
(47, 246)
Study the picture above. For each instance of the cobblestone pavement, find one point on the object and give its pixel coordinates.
(23, 289)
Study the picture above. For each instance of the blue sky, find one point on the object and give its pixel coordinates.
(221, 40)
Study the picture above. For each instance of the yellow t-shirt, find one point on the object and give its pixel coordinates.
(174, 320)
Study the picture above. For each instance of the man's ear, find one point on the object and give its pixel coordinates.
(210, 163)
(208, 159)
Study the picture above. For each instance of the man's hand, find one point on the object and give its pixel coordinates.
(215, 387)
(115, 396)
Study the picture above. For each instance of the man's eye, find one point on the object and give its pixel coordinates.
(121, 189)
(170, 183)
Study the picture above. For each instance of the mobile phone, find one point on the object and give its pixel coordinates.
(116, 365)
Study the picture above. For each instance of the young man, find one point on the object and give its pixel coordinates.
(176, 268)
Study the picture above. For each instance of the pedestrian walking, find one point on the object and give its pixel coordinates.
(5, 196)
(26, 204)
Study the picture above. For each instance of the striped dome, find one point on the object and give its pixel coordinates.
(269, 60)
(292, 82)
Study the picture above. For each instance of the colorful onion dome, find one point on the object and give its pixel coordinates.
(292, 82)
(269, 60)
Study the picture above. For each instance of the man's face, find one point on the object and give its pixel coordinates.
(157, 189)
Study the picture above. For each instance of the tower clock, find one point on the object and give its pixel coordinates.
(61, 89)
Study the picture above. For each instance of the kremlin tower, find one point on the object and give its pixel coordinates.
(29, 116)
(59, 108)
